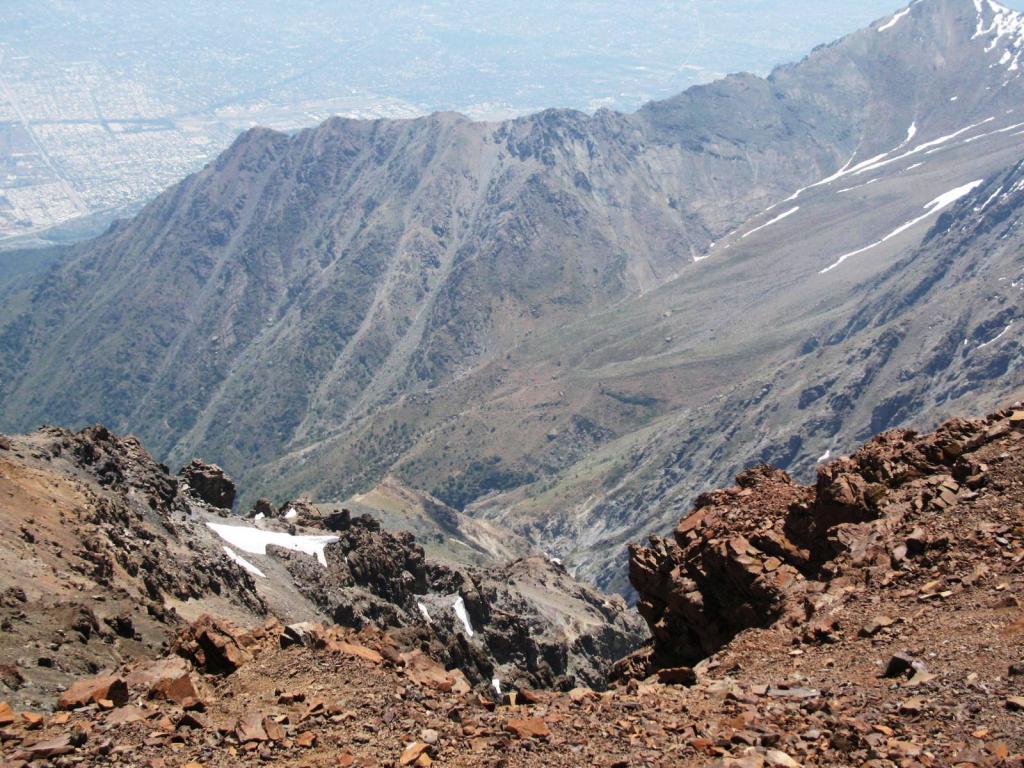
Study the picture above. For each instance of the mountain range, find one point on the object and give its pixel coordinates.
(565, 324)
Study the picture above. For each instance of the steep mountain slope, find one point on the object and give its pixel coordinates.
(798, 366)
(596, 315)
(298, 282)
(763, 350)
(93, 567)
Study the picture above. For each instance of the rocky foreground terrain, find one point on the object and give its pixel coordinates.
(873, 619)
(105, 556)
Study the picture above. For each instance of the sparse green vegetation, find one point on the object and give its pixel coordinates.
(479, 479)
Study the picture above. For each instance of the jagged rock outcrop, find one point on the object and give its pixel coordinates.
(99, 550)
(769, 549)
(213, 646)
(90, 512)
(209, 483)
(527, 622)
(728, 567)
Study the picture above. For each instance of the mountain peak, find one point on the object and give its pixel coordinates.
(1000, 27)
(1003, 29)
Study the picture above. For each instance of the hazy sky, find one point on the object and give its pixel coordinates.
(103, 103)
(438, 54)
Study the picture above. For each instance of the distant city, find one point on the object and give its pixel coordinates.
(103, 103)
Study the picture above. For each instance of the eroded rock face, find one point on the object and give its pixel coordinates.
(101, 545)
(209, 483)
(768, 549)
(728, 567)
(528, 622)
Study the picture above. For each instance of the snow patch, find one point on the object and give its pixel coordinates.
(986, 203)
(255, 541)
(911, 133)
(858, 186)
(776, 220)
(997, 337)
(936, 205)
(837, 175)
(424, 613)
(459, 606)
(928, 148)
(1005, 27)
(894, 20)
(1007, 129)
(246, 565)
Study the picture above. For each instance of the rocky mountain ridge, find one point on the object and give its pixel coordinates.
(565, 325)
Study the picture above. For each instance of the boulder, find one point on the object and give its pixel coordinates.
(49, 748)
(262, 508)
(677, 676)
(167, 680)
(250, 728)
(305, 633)
(209, 483)
(91, 690)
(413, 753)
(212, 645)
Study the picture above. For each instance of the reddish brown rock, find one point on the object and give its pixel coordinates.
(423, 670)
(677, 676)
(166, 679)
(250, 729)
(125, 715)
(213, 646)
(273, 729)
(764, 550)
(413, 752)
(49, 748)
(528, 728)
(360, 651)
(91, 689)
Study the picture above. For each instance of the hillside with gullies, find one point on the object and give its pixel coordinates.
(871, 619)
(565, 325)
(925, 331)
